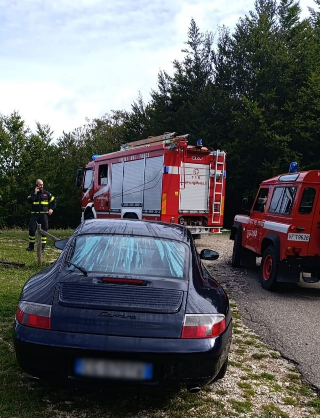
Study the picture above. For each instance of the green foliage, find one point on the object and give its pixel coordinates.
(183, 101)
(26, 156)
(254, 92)
(14, 137)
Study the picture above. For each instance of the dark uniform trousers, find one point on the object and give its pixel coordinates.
(40, 204)
(38, 218)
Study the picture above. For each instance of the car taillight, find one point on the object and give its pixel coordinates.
(34, 315)
(203, 325)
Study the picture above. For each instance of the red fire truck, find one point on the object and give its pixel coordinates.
(284, 228)
(158, 178)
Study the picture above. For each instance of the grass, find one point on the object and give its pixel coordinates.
(19, 397)
(259, 356)
(243, 391)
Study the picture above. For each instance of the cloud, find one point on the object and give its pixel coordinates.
(63, 61)
(48, 103)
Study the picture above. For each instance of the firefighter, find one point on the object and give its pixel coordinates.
(42, 204)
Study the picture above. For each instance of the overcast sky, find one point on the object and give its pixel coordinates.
(65, 60)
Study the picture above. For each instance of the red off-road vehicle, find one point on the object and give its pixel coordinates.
(283, 228)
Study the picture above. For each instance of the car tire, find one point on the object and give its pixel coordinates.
(269, 269)
(222, 371)
(196, 236)
(236, 253)
(88, 215)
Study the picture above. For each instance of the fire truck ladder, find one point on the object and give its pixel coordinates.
(219, 174)
(168, 138)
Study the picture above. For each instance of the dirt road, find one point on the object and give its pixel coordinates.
(288, 320)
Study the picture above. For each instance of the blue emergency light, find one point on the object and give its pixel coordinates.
(95, 156)
(199, 143)
(293, 168)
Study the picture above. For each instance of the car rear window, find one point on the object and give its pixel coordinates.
(130, 255)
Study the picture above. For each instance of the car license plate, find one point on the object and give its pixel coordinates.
(299, 237)
(113, 369)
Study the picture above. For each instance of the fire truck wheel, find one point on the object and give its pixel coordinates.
(130, 215)
(88, 215)
(269, 269)
(236, 254)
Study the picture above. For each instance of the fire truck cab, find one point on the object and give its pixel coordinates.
(283, 228)
(158, 178)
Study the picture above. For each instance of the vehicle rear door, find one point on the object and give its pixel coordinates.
(309, 218)
(194, 187)
(88, 305)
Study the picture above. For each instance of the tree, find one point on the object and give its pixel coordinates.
(74, 150)
(14, 136)
(178, 103)
(259, 70)
(137, 123)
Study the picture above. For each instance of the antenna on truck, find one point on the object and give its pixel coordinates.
(168, 138)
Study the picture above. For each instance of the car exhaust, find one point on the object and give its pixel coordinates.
(193, 389)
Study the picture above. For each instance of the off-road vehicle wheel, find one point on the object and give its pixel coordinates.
(269, 269)
(236, 254)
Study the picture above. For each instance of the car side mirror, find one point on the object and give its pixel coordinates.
(60, 244)
(261, 203)
(209, 255)
(246, 204)
(79, 177)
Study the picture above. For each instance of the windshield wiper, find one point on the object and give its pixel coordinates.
(83, 270)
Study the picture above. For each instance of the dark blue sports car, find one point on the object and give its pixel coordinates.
(126, 302)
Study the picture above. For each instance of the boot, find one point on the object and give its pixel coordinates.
(31, 247)
(43, 247)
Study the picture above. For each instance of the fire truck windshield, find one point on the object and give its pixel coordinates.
(88, 176)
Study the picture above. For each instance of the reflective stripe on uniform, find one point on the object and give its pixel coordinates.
(164, 204)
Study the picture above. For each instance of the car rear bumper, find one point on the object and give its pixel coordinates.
(176, 362)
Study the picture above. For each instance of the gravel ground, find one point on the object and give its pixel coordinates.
(257, 377)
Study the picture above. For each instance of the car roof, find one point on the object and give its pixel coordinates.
(135, 227)
(311, 176)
